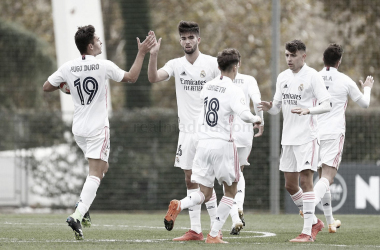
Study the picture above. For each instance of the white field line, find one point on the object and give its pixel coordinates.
(257, 235)
(12, 240)
(260, 234)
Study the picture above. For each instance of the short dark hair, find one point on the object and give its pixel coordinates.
(332, 54)
(295, 45)
(83, 37)
(188, 27)
(228, 58)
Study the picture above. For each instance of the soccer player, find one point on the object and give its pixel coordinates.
(86, 77)
(243, 136)
(299, 90)
(191, 72)
(216, 154)
(332, 125)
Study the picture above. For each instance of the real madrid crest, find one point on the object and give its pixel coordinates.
(203, 74)
(300, 88)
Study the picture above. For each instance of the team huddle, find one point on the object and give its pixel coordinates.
(217, 127)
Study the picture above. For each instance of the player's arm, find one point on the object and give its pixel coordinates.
(53, 82)
(320, 92)
(248, 117)
(365, 99)
(272, 108)
(47, 87)
(323, 107)
(256, 100)
(237, 103)
(155, 75)
(143, 48)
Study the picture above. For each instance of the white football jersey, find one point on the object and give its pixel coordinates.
(340, 86)
(222, 100)
(304, 89)
(86, 77)
(243, 132)
(189, 81)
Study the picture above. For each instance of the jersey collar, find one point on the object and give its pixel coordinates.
(87, 57)
(330, 69)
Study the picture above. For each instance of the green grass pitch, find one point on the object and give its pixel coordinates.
(146, 231)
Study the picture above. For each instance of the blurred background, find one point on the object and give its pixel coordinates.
(41, 166)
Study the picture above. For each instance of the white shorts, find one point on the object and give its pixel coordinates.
(330, 152)
(218, 159)
(187, 144)
(295, 158)
(95, 147)
(243, 153)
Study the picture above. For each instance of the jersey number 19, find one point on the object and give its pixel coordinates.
(91, 92)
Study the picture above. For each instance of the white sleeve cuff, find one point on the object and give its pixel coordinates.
(323, 107)
(365, 99)
(275, 108)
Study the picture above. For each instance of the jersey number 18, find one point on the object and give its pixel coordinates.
(212, 109)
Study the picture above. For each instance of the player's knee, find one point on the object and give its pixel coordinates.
(207, 197)
(331, 180)
(291, 188)
(105, 170)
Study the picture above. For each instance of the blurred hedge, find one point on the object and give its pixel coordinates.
(24, 67)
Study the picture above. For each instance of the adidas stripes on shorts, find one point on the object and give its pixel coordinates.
(95, 147)
(330, 152)
(295, 158)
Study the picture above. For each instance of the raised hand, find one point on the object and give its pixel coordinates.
(147, 44)
(156, 47)
(368, 82)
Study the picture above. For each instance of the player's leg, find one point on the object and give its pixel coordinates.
(243, 153)
(331, 156)
(175, 207)
(329, 173)
(222, 213)
(225, 165)
(184, 160)
(237, 222)
(96, 150)
(212, 206)
(288, 165)
(307, 162)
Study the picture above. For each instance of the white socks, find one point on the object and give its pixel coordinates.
(234, 214)
(212, 207)
(239, 200)
(221, 215)
(308, 211)
(320, 189)
(240, 195)
(88, 194)
(194, 198)
(297, 199)
(327, 209)
(193, 202)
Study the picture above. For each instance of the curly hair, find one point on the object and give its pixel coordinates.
(228, 58)
(188, 27)
(332, 54)
(83, 37)
(295, 45)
